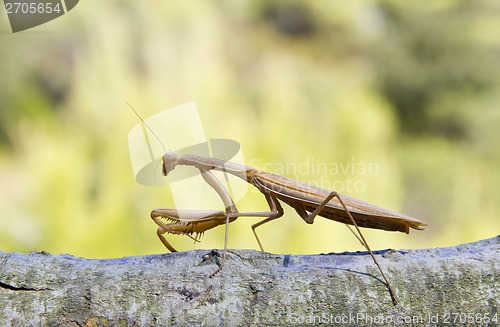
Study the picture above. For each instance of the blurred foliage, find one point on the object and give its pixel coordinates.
(411, 88)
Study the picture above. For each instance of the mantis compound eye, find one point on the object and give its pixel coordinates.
(170, 160)
(163, 169)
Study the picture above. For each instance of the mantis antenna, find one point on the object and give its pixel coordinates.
(149, 128)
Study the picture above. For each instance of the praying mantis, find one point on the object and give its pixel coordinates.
(307, 200)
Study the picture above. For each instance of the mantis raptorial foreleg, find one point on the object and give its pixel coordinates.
(197, 221)
(186, 217)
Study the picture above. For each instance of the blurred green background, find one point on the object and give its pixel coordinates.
(411, 88)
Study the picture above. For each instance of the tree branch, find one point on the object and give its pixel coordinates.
(458, 284)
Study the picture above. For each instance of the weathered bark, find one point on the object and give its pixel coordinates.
(458, 284)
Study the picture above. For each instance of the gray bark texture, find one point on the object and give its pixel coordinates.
(444, 286)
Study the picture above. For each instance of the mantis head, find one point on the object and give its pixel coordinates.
(170, 160)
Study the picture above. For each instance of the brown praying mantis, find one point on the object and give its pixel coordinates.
(308, 201)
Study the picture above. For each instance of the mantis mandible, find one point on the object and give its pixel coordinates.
(308, 201)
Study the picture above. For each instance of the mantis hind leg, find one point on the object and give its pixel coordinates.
(361, 238)
(310, 219)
